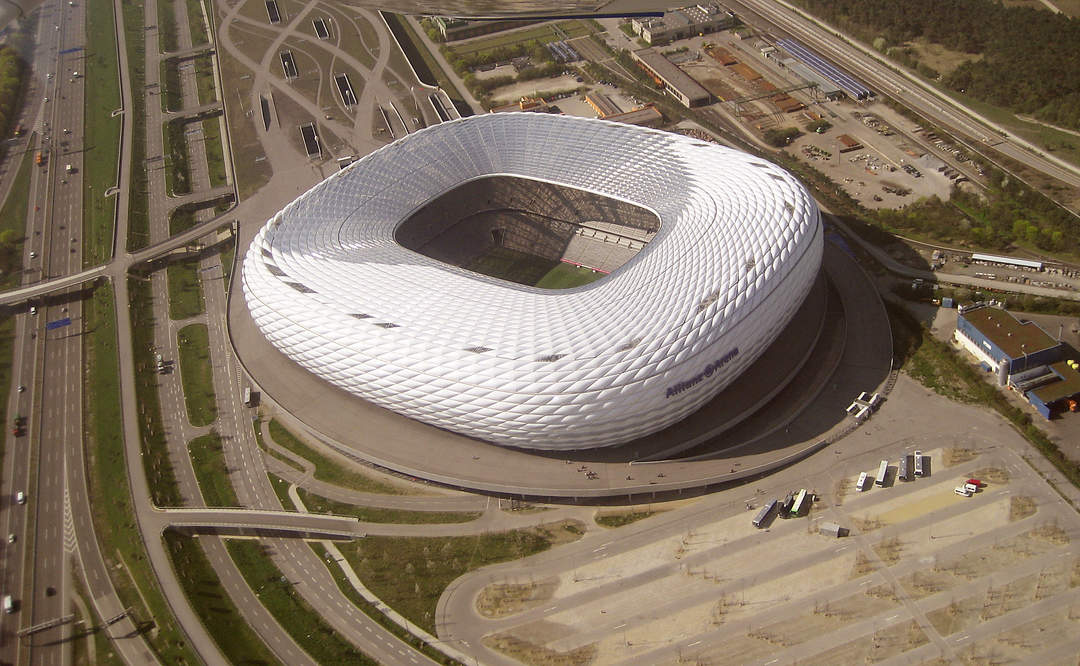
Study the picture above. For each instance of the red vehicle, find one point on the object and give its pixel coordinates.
(975, 482)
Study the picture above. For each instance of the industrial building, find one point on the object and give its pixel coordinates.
(1024, 357)
(606, 109)
(851, 86)
(683, 23)
(676, 82)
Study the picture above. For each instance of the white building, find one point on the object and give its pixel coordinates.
(738, 246)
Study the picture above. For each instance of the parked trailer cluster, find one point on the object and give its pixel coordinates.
(563, 52)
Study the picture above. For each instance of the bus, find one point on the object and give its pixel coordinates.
(763, 516)
(761, 519)
(918, 463)
(904, 471)
(247, 396)
(860, 485)
(882, 472)
(800, 500)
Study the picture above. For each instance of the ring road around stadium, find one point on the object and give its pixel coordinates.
(374, 280)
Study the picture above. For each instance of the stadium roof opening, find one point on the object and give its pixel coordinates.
(528, 231)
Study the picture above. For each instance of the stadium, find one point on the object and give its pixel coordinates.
(537, 281)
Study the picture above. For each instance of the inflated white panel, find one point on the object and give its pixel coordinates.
(739, 246)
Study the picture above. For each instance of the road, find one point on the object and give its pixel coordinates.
(866, 65)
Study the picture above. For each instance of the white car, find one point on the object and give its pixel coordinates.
(20, 497)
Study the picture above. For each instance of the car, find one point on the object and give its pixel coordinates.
(50, 75)
(46, 99)
(33, 254)
(20, 497)
(974, 482)
(961, 490)
(33, 310)
(21, 388)
(11, 538)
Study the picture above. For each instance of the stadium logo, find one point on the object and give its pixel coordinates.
(708, 372)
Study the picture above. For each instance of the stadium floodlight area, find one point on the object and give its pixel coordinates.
(737, 245)
(849, 84)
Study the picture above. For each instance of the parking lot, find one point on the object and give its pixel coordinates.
(924, 574)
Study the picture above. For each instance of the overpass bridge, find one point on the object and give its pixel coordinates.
(250, 522)
(37, 290)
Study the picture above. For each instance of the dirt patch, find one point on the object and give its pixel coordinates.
(843, 487)
(502, 599)
(866, 525)
(883, 591)
(957, 616)
(529, 651)
(1074, 581)
(1015, 595)
(1021, 507)
(798, 630)
(736, 650)
(956, 455)
(863, 565)
(890, 550)
(923, 583)
(884, 644)
(977, 563)
(991, 475)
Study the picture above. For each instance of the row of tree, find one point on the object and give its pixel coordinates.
(11, 71)
(1030, 56)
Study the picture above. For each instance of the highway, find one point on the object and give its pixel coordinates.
(906, 87)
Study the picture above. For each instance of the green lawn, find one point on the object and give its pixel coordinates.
(542, 33)
(329, 470)
(204, 79)
(318, 504)
(138, 208)
(300, 620)
(102, 133)
(7, 342)
(177, 166)
(215, 159)
(620, 519)
(185, 290)
(208, 459)
(565, 276)
(13, 224)
(234, 637)
(196, 374)
(513, 266)
(196, 24)
(167, 26)
(281, 489)
(430, 564)
(374, 613)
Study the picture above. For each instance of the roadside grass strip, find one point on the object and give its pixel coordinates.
(329, 470)
(196, 374)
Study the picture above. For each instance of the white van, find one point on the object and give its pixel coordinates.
(971, 488)
(9, 604)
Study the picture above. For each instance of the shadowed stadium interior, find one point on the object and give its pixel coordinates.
(519, 229)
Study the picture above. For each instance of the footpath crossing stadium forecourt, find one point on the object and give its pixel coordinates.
(738, 246)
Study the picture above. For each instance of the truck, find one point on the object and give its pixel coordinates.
(861, 484)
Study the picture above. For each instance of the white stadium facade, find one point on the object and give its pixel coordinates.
(733, 246)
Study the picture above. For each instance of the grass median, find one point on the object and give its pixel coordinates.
(234, 637)
(215, 158)
(208, 460)
(374, 613)
(196, 374)
(329, 470)
(430, 564)
(318, 504)
(299, 619)
(196, 23)
(101, 143)
(114, 516)
(138, 206)
(185, 291)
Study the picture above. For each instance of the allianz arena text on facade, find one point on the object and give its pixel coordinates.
(738, 247)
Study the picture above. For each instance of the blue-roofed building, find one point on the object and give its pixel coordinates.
(851, 86)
